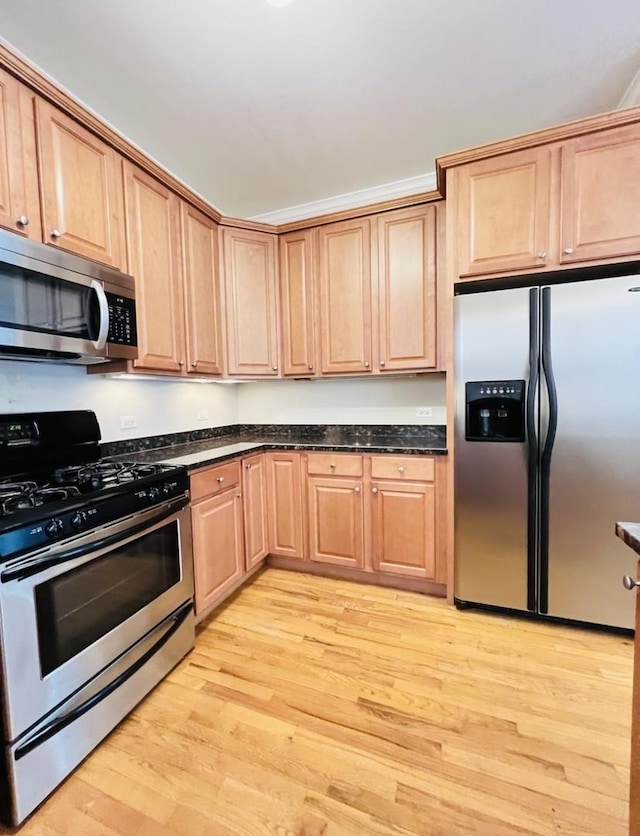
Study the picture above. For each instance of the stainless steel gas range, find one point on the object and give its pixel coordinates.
(96, 594)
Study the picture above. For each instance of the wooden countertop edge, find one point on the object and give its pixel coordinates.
(630, 533)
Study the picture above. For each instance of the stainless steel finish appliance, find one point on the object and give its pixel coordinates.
(56, 306)
(96, 594)
(547, 447)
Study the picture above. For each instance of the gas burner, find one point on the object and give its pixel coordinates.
(97, 475)
(18, 496)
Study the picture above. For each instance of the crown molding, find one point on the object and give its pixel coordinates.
(631, 95)
(351, 200)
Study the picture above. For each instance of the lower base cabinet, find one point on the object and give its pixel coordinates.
(375, 515)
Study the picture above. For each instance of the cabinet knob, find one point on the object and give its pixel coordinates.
(542, 254)
(382, 362)
(357, 489)
(310, 368)
(181, 363)
(247, 467)
(55, 233)
(366, 365)
(630, 583)
(401, 469)
(219, 478)
(374, 490)
(568, 250)
(194, 364)
(22, 220)
(238, 496)
(332, 466)
(274, 368)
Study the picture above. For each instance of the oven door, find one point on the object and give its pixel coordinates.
(69, 611)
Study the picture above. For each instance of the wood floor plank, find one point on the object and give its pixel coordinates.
(317, 707)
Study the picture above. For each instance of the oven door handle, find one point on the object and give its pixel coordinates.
(46, 561)
(60, 722)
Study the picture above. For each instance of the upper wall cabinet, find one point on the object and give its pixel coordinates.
(407, 289)
(600, 216)
(81, 188)
(503, 206)
(250, 264)
(560, 204)
(154, 258)
(201, 293)
(344, 296)
(297, 309)
(19, 204)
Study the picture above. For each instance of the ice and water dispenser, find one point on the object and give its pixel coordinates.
(495, 410)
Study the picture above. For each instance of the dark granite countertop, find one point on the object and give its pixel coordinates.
(197, 448)
(630, 533)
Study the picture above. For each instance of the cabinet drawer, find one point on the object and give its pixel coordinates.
(403, 467)
(213, 480)
(336, 464)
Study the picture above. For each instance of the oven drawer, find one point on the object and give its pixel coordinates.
(214, 480)
(334, 464)
(413, 468)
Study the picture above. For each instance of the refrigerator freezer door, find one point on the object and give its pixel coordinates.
(595, 466)
(492, 343)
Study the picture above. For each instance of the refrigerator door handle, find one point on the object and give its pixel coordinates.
(533, 449)
(545, 460)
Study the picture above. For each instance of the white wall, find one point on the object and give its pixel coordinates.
(159, 406)
(371, 401)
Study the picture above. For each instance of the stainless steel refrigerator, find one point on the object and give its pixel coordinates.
(547, 447)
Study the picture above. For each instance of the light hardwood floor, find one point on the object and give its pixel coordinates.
(313, 707)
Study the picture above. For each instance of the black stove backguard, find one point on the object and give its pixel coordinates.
(35, 443)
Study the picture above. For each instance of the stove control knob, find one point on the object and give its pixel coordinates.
(153, 493)
(53, 527)
(166, 489)
(79, 519)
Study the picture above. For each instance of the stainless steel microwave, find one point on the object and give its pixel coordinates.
(57, 306)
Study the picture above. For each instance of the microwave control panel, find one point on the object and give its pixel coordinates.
(122, 320)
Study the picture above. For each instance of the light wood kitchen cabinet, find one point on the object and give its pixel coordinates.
(407, 289)
(600, 196)
(254, 499)
(403, 516)
(250, 264)
(297, 309)
(284, 504)
(218, 543)
(503, 213)
(19, 201)
(203, 320)
(336, 509)
(154, 259)
(81, 188)
(344, 296)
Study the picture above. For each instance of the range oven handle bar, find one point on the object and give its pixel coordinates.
(59, 723)
(47, 561)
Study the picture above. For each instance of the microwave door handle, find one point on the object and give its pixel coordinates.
(103, 307)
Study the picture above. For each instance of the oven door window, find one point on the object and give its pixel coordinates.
(78, 607)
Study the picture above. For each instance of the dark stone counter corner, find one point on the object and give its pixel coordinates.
(198, 448)
(630, 533)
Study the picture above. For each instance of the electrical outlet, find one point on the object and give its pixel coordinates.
(202, 414)
(424, 412)
(128, 422)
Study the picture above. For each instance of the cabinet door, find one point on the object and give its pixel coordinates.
(19, 209)
(407, 289)
(403, 518)
(601, 195)
(503, 213)
(250, 289)
(284, 502)
(153, 247)
(296, 303)
(344, 276)
(335, 521)
(218, 550)
(82, 207)
(202, 293)
(255, 510)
